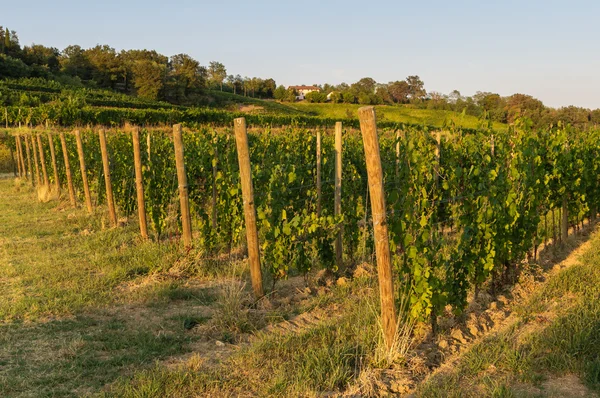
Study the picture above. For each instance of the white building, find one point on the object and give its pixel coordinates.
(303, 90)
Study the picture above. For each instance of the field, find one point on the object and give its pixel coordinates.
(142, 277)
(400, 114)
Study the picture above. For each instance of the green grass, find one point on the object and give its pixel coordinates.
(81, 304)
(557, 333)
(325, 356)
(388, 113)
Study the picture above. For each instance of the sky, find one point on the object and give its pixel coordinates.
(548, 49)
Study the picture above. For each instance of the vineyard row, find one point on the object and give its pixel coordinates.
(453, 210)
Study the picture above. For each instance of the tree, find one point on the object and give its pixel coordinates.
(73, 62)
(416, 88)
(6, 45)
(37, 54)
(148, 78)
(268, 88)
(217, 73)
(316, 96)
(187, 75)
(399, 91)
(106, 68)
(280, 93)
(365, 85)
(521, 105)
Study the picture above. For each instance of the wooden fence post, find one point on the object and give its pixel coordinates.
(319, 208)
(397, 154)
(438, 140)
(184, 203)
(368, 127)
(106, 167)
(86, 187)
(241, 140)
(54, 164)
(20, 157)
(35, 159)
(17, 141)
(564, 227)
(63, 144)
(43, 161)
(139, 182)
(14, 163)
(29, 166)
(338, 193)
(214, 187)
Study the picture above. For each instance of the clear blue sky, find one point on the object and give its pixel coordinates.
(549, 49)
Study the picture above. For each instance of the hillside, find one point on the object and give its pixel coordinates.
(395, 113)
(33, 101)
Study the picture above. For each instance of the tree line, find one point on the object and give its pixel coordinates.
(182, 80)
(179, 79)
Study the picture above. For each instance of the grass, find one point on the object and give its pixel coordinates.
(82, 305)
(306, 361)
(556, 334)
(400, 114)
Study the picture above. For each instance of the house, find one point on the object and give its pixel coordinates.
(303, 90)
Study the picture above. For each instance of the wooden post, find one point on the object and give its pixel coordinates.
(337, 209)
(38, 180)
(29, 167)
(493, 145)
(6, 116)
(54, 164)
(17, 145)
(22, 170)
(139, 182)
(106, 167)
(368, 127)
(63, 144)
(43, 161)
(214, 187)
(86, 187)
(319, 173)
(564, 227)
(241, 140)
(397, 155)
(184, 203)
(14, 162)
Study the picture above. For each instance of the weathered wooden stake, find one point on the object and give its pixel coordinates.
(20, 157)
(38, 180)
(319, 173)
(397, 154)
(214, 187)
(14, 162)
(86, 187)
(564, 227)
(63, 144)
(43, 161)
(29, 166)
(54, 164)
(106, 167)
(184, 203)
(139, 182)
(241, 140)
(338, 193)
(17, 146)
(368, 127)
